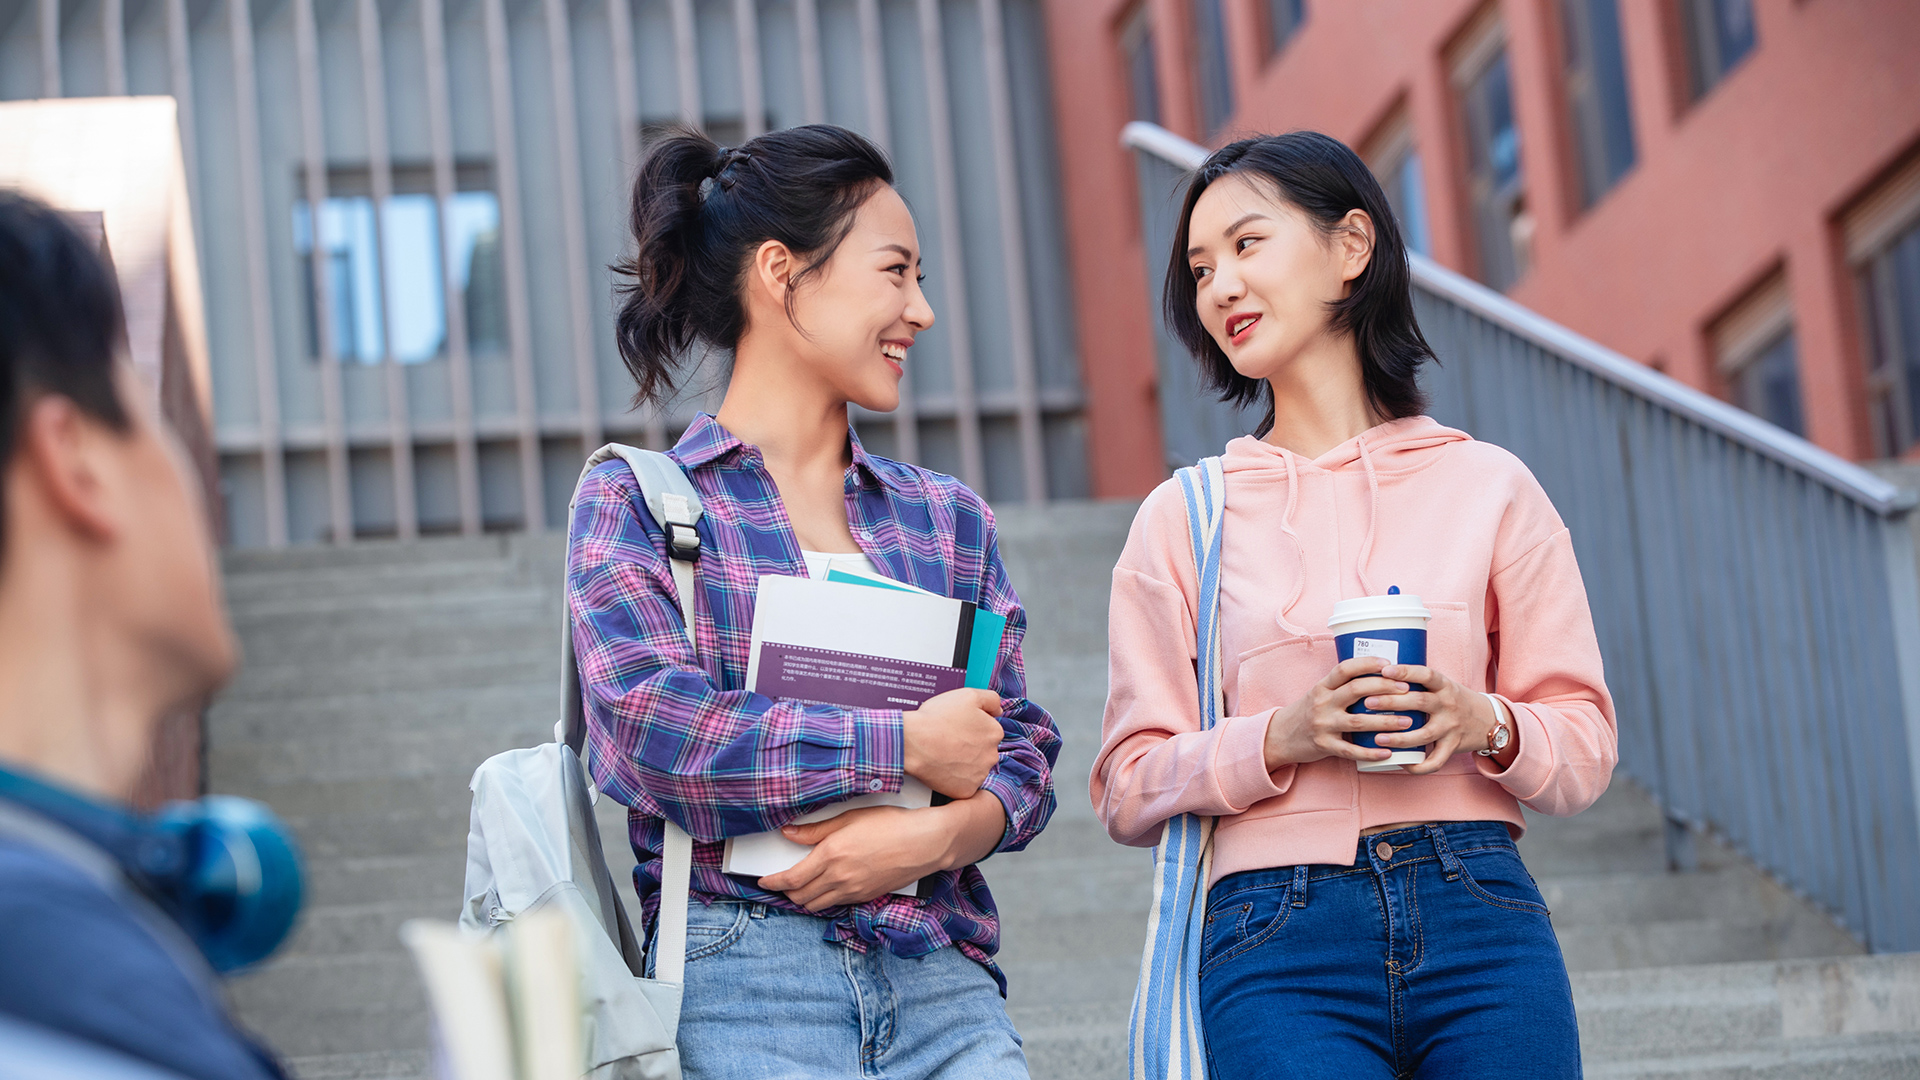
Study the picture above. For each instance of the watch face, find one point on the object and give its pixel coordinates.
(1501, 736)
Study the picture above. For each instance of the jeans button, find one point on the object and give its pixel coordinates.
(1384, 850)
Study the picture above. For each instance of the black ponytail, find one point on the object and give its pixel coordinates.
(1324, 179)
(700, 211)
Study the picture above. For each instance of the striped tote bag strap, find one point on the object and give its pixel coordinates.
(1164, 1041)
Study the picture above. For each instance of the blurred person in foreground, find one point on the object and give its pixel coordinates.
(110, 617)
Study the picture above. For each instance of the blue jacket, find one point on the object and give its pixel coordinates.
(87, 956)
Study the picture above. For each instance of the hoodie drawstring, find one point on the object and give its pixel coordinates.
(1299, 550)
(1373, 518)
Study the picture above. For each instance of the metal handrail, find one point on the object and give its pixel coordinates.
(1782, 446)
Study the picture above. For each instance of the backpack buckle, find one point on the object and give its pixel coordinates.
(683, 542)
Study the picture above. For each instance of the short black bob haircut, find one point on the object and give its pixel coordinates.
(1324, 179)
(700, 211)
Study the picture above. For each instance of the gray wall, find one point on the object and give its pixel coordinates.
(314, 449)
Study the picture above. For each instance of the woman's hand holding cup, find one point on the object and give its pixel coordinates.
(1315, 726)
(1457, 718)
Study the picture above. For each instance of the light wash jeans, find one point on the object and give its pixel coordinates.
(768, 999)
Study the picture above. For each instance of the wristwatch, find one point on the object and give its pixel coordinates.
(1501, 735)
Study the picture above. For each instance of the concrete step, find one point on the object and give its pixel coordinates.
(460, 601)
(370, 1065)
(346, 645)
(278, 679)
(266, 591)
(1856, 1057)
(1060, 560)
(1751, 1016)
(404, 755)
(1073, 1042)
(1652, 919)
(306, 1005)
(431, 878)
(372, 556)
(348, 929)
(304, 799)
(363, 715)
(378, 677)
(433, 824)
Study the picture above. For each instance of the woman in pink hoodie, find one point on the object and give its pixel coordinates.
(1358, 924)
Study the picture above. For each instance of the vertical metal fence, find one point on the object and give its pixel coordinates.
(1756, 598)
(406, 209)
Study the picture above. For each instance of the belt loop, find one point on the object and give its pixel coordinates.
(1449, 862)
(1300, 885)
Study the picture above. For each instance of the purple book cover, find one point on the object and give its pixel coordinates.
(855, 680)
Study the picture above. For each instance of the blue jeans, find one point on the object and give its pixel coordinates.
(1436, 961)
(766, 997)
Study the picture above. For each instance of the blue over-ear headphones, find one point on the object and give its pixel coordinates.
(225, 868)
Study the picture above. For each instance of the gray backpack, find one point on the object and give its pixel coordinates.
(533, 843)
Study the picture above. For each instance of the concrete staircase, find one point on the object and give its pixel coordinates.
(378, 677)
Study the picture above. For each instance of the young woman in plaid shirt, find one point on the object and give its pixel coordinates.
(794, 253)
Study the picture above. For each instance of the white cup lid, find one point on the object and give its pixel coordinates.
(1394, 605)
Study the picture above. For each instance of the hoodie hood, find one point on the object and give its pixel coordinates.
(1387, 450)
(1393, 447)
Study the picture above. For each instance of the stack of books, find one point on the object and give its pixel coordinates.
(859, 640)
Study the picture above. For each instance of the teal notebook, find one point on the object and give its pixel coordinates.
(983, 645)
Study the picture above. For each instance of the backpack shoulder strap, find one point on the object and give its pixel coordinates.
(673, 501)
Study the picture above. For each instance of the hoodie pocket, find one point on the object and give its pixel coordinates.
(1280, 673)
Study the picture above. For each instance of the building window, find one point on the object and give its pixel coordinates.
(1883, 246)
(1143, 80)
(1211, 72)
(1718, 35)
(386, 285)
(1596, 81)
(1758, 361)
(1395, 162)
(1283, 18)
(1503, 229)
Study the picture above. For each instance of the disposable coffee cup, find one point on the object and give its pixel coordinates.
(1394, 627)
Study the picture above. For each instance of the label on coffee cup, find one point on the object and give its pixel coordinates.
(1386, 648)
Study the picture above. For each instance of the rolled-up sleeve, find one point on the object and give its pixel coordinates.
(661, 736)
(1023, 778)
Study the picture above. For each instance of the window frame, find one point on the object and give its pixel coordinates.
(1136, 35)
(1747, 333)
(1483, 43)
(1388, 153)
(1872, 232)
(1589, 132)
(1273, 42)
(1691, 76)
(347, 181)
(1205, 88)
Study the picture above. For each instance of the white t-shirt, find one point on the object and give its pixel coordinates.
(818, 562)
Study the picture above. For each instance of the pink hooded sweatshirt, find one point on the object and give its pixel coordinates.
(1461, 524)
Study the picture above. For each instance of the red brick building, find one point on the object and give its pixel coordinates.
(1727, 190)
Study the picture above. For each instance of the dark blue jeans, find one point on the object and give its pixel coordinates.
(1430, 957)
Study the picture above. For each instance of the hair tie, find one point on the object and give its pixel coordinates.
(729, 157)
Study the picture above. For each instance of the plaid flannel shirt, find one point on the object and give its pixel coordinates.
(670, 735)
